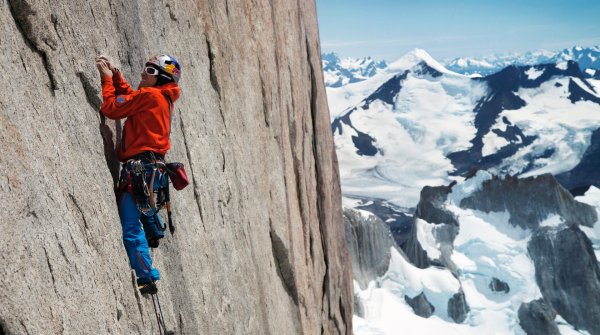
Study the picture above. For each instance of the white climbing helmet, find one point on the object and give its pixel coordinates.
(167, 65)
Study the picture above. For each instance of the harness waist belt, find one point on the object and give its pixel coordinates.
(149, 156)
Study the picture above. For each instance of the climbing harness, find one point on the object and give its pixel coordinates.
(138, 177)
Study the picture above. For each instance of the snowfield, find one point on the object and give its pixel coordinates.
(431, 118)
(487, 247)
(559, 124)
(394, 132)
(433, 115)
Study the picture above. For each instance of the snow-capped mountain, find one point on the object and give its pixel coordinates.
(479, 260)
(339, 72)
(460, 185)
(587, 58)
(418, 123)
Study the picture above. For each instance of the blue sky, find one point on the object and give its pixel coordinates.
(387, 29)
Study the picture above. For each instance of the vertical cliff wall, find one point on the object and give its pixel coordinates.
(260, 244)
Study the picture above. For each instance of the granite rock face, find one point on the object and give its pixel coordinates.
(537, 318)
(420, 305)
(530, 201)
(458, 309)
(566, 267)
(431, 209)
(369, 242)
(260, 243)
(499, 286)
(567, 272)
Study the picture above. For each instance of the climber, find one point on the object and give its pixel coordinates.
(143, 145)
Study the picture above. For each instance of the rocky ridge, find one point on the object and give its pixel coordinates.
(369, 242)
(566, 269)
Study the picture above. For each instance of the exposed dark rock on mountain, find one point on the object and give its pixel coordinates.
(537, 318)
(576, 93)
(357, 71)
(260, 245)
(332, 61)
(497, 285)
(530, 201)
(430, 207)
(401, 228)
(444, 235)
(388, 91)
(399, 222)
(566, 267)
(586, 173)
(458, 308)
(423, 69)
(414, 251)
(370, 242)
(420, 305)
(359, 309)
(567, 272)
(364, 143)
(586, 57)
(502, 96)
(503, 86)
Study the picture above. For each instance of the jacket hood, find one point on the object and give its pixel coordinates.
(170, 89)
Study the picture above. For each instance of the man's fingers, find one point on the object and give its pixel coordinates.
(102, 64)
(103, 68)
(108, 63)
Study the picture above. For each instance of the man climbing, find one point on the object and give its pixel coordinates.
(142, 148)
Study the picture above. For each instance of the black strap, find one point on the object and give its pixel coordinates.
(170, 113)
(167, 195)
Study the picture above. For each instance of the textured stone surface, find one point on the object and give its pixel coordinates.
(370, 243)
(537, 318)
(260, 245)
(431, 209)
(420, 305)
(458, 307)
(530, 201)
(566, 268)
(398, 219)
(497, 285)
(567, 272)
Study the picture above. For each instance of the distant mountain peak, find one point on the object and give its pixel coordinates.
(342, 71)
(419, 111)
(417, 57)
(586, 57)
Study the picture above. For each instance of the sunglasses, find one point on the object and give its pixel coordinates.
(151, 71)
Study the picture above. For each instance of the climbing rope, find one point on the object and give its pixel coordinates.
(160, 330)
(160, 319)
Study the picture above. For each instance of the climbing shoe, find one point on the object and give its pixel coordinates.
(147, 288)
(153, 242)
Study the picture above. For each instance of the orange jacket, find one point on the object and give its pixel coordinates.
(148, 123)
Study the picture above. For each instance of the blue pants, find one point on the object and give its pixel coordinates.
(135, 238)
